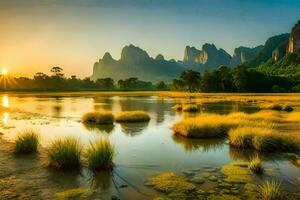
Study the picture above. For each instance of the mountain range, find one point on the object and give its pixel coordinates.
(136, 62)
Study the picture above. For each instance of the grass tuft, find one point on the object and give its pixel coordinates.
(132, 116)
(256, 166)
(190, 108)
(177, 107)
(104, 117)
(27, 142)
(64, 153)
(204, 126)
(271, 190)
(261, 139)
(100, 155)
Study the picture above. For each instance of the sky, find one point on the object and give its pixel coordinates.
(36, 35)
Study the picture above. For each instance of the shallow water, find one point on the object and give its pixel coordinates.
(143, 149)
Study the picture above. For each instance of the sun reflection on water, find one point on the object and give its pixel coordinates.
(5, 101)
(5, 118)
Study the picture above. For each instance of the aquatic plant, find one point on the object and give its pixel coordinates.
(177, 107)
(204, 126)
(236, 172)
(271, 190)
(64, 153)
(174, 185)
(26, 142)
(104, 117)
(261, 139)
(100, 154)
(132, 116)
(190, 108)
(77, 193)
(256, 166)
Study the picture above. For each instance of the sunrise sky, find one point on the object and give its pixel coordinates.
(38, 34)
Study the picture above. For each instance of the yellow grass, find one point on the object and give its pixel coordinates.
(190, 108)
(132, 116)
(214, 125)
(204, 126)
(104, 117)
(177, 107)
(261, 139)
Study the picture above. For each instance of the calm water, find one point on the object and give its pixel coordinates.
(143, 149)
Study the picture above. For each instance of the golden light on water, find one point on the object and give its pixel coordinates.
(5, 101)
(5, 118)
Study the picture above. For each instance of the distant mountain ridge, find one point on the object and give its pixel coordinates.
(136, 62)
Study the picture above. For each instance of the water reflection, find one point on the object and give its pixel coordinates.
(99, 127)
(5, 101)
(101, 179)
(134, 129)
(5, 118)
(194, 144)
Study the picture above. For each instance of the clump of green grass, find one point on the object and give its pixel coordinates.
(100, 155)
(132, 116)
(64, 153)
(177, 107)
(104, 117)
(204, 126)
(256, 166)
(27, 142)
(190, 108)
(261, 139)
(271, 190)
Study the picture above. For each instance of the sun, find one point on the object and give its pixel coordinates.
(4, 72)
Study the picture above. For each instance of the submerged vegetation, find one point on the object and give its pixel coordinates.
(104, 117)
(64, 153)
(132, 116)
(174, 185)
(27, 142)
(100, 154)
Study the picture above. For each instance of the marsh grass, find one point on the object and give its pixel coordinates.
(100, 154)
(26, 142)
(256, 166)
(261, 139)
(190, 108)
(64, 153)
(177, 107)
(132, 116)
(271, 190)
(104, 117)
(204, 126)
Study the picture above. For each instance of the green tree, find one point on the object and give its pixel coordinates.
(161, 85)
(240, 78)
(191, 80)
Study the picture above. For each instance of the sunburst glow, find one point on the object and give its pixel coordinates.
(4, 72)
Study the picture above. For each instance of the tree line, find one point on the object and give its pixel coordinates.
(237, 79)
(222, 79)
(57, 81)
